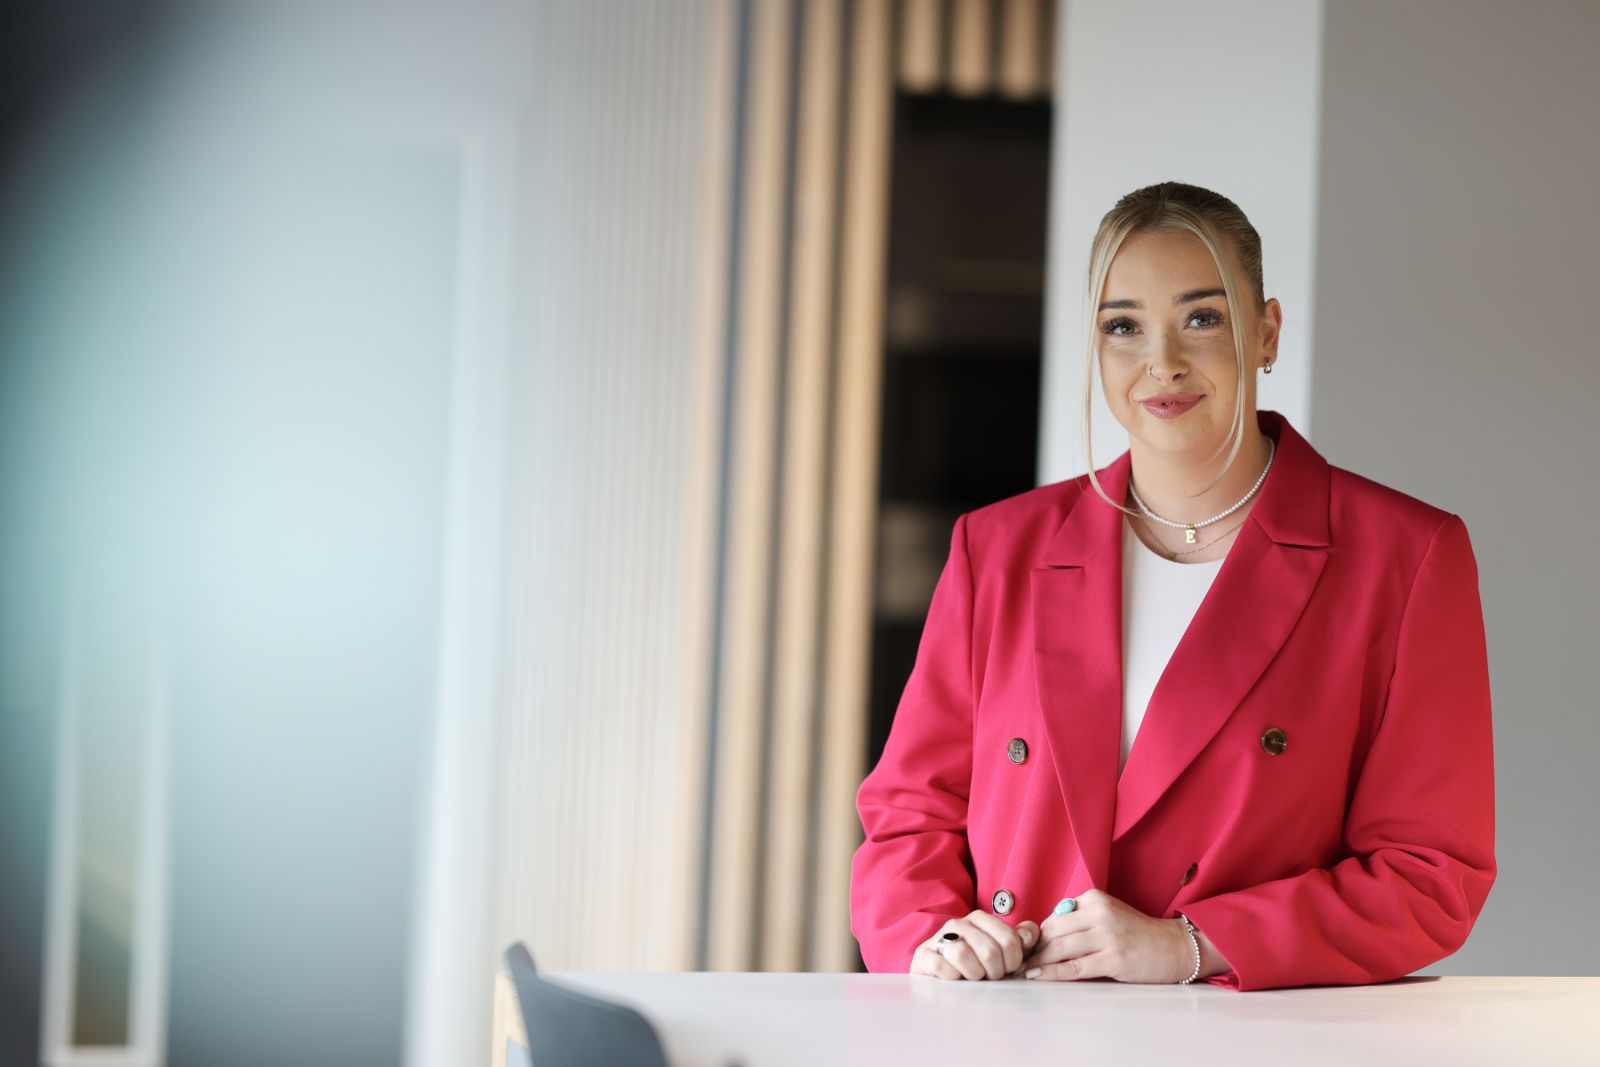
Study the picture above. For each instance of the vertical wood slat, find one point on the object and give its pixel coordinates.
(1016, 66)
(803, 488)
(920, 68)
(1018, 77)
(970, 32)
(1047, 46)
(742, 685)
(681, 821)
(854, 479)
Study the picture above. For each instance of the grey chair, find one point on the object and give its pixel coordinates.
(566, 1028)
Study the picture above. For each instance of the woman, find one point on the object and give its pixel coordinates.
(1216, 711)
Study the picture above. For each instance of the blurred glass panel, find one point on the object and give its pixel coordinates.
(105, 935)
(111, 751)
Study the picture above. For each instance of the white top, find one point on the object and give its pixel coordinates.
(1159, 598)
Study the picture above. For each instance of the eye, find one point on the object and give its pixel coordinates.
(1211, 318)
(1114, 326)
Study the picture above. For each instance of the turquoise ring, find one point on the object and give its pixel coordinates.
(1066, 904)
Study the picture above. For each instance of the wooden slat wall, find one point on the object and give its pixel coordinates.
(797, 635)
(792, 708)
(791, 718)
(970, 29)
(698, 442)
(977, 47)
(855, 480)
(682, 900)
(752, 490)
(786, 872)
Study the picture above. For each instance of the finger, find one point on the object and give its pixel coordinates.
(958, 955)
(1072, 970)
(1090, 901)
(928, 962)
(1055, 925)
(964, 959)
(1004, 937)
(985, 946)
(1028, 932)
(1064, 947)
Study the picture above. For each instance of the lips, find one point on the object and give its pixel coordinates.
(1170, 405)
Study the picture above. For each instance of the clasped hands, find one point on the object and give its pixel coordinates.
(1103, 937)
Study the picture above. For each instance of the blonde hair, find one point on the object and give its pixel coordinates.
(1219, 223)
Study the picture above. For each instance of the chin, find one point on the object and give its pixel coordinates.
(1169, 437)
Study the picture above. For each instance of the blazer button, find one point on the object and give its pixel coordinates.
(1274, 741)
(1003, 902)
(1189, 873)
(1017, 750)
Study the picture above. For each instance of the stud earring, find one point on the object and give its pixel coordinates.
(1268, 367)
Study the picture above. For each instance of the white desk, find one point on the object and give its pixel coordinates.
(710, 1019)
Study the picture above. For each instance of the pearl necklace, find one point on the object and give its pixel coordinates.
(1189, 528)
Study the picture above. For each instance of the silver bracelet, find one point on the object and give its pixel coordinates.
(1188, 928)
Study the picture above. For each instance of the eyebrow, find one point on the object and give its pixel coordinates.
(1181, 298)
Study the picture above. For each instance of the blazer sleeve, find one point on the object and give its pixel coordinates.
(1419, 832)
(913, 871)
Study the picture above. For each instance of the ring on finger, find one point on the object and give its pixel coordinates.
(944, 942)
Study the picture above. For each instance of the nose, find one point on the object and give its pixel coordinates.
(1166, 364)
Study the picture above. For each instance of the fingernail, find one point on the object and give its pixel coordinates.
(1036, 972)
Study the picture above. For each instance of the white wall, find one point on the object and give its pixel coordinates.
(1224, 96)
(1459, 362)
(1424, 174)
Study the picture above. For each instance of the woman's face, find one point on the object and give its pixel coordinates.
(1164, 331)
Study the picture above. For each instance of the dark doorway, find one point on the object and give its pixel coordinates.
(962, 348)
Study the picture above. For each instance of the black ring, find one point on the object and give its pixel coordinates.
(951, 935)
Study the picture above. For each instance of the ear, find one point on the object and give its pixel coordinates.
(1271, 326)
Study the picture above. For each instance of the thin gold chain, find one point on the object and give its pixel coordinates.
(1191, 551)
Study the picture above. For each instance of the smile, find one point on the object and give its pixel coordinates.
(1171, 405)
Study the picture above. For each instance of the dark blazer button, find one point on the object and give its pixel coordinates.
(1189, 873)
(1017, 750)
(1003, 902)
(1274, 741)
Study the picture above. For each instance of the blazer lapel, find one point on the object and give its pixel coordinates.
(1077, 635)
(1259, 593)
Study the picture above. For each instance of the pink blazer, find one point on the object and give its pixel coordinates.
(1313, 780)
